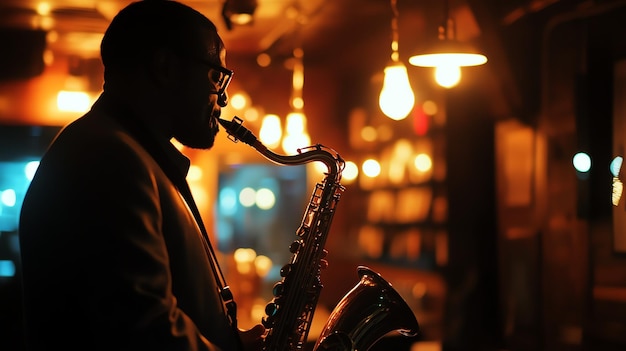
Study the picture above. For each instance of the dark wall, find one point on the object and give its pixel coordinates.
(580, 291)
(472, 315)
(22, 53)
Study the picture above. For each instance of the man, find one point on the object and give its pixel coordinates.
(113, 251)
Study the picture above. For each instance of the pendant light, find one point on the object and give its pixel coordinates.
(238, 12)
(396, 98)
(448, 55)
(296, 134)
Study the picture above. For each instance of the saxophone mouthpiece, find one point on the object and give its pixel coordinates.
(236, 131)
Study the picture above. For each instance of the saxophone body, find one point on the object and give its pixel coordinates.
(368, 312)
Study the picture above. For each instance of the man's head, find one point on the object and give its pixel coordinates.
(178, 56)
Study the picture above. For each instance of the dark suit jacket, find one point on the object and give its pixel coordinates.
(112, 257)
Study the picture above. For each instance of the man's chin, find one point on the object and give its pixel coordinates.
(204, 146)
(205, 142)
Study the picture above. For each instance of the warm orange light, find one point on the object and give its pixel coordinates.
(244, 257)
(194, 173)
(396, 98)
(350, 172)
(371, 168)
(423, 163)
(263, 265)
(448, 65)
(448, 58)
(292, 142)
(43, 8)
(271, 131)
(239, 101)
(73, 101)
(296, 136)
(448, 55)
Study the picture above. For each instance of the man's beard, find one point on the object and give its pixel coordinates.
(197, 139)
(199, 136)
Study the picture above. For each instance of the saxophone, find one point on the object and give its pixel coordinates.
(366, 313)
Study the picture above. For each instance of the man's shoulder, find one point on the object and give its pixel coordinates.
(94, 133)
(92, 147)
(91, 127)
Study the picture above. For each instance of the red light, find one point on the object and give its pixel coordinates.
(420, 122)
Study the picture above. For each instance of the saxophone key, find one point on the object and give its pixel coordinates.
(278, 289)
(271, 309)
(286, 270)
(295, 246)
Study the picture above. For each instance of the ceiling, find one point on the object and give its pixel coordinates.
(348, 35)
(322, 26)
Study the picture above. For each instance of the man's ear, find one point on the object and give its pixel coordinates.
(163, 68)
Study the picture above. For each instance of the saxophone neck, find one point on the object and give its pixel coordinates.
(335, 164)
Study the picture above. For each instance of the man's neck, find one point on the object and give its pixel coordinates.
(142, 109)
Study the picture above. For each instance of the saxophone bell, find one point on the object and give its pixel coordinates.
(372, 309)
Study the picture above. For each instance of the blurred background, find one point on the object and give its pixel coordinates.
(488, 195)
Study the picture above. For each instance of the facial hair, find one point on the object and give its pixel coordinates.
(200, 135)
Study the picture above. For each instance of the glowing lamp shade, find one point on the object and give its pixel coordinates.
(447, 57)
(238, 12)
(396, 98)
(459, 59)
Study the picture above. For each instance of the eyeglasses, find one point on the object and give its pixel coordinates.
(221, 76)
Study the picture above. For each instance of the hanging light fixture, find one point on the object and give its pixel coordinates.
(296, 134)
(396, 98)
(238, 12)
(448, 55)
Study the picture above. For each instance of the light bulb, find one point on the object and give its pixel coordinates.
(396, 98)
(447, 76)
(296, 123)
(448, 62)
(292, 142)
(271, 131)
